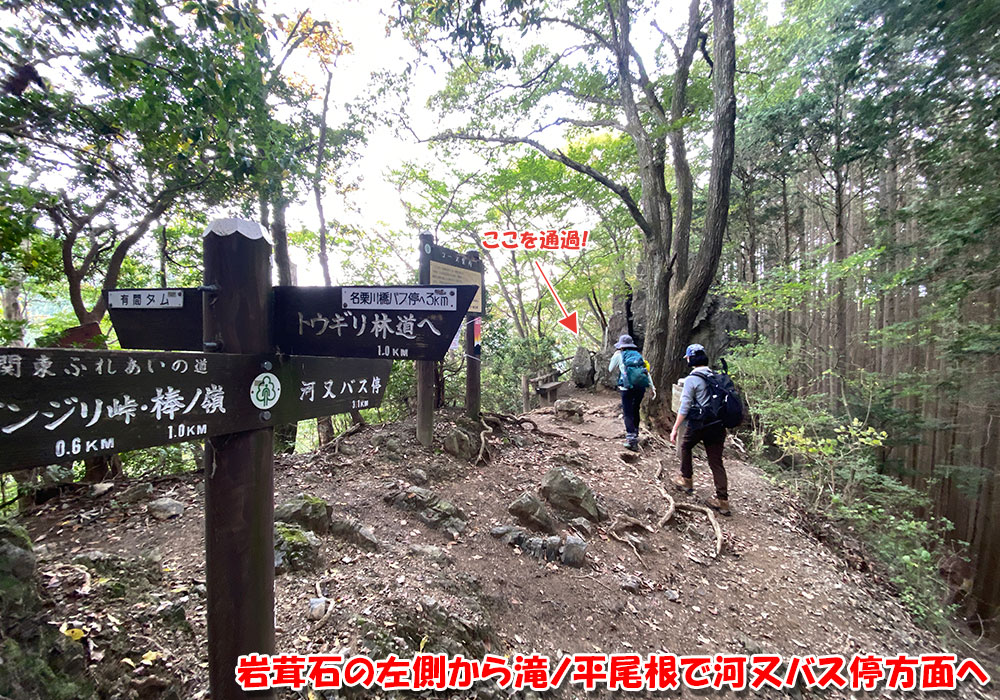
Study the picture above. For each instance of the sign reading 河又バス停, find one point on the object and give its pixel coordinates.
(376, 322)
(57, 404)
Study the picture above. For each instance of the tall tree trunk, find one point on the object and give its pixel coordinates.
(687, 303)
(284, 435)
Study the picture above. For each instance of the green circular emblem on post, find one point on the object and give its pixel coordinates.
(265, 391)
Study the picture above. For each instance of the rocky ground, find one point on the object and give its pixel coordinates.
(390, 547)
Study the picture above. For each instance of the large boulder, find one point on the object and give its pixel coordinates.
(567, 491)
(307, 511)
(715, 327)
(531, 512)
(582, 369)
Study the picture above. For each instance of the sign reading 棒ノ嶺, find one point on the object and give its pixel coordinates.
(58, 404)
(361, 322)
(400, 298)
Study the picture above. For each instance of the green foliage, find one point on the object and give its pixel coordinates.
(507, 358)
(833, 466)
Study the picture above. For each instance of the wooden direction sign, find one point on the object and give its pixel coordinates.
(58, 405)
(156, 319)
(415, 322)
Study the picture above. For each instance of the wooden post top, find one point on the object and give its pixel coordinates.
(244, 227)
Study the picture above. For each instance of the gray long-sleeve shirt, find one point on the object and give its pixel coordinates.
(695, 389)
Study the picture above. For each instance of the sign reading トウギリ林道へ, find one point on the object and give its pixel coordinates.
(58, 405)
(403, 323)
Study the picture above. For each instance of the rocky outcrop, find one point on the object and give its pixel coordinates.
(37, 661)
(582, 369)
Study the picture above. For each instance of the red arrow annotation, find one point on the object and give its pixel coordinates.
(568, 320)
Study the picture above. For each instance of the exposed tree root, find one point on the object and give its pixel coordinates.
(335, 443)
(711, 518)
(482, 442)
(616, 536)
(521, 420)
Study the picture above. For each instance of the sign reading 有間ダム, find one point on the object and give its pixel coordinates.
(58, 405)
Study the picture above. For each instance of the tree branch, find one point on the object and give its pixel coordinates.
(621, 190)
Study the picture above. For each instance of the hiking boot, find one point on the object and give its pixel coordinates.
(720, 504)
(632, 445)
(685, 485)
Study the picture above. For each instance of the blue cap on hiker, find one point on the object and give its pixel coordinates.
(692, 349)
(624, 341)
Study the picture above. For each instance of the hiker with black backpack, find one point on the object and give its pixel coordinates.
(709, 405)
(633, 380)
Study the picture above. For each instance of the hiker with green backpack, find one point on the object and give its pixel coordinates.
(633, 380)
(709, 405)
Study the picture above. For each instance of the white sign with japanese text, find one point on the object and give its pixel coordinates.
(399, 298)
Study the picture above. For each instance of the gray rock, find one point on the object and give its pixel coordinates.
(632, 584)
(16, 556)
(460, 443)
(418, 476)
(535, 546)
(569, 409)
(552, 546)
(530, 510)
(431, 509)
(165, 508)
(317, 608)
(501, 530)
(307, 511)
(672, 595)
(583, 526)
(135, 493)
(98, 490)
(566, 491)
(295, 549)
(574, 551)
(582, 370)
(354, 532)
(432, 553)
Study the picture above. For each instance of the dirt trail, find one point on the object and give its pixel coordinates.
(773, 588)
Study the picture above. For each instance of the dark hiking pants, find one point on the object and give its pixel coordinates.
(713, 437)
(631, 398)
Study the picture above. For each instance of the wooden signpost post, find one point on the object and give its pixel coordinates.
(328, 350)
